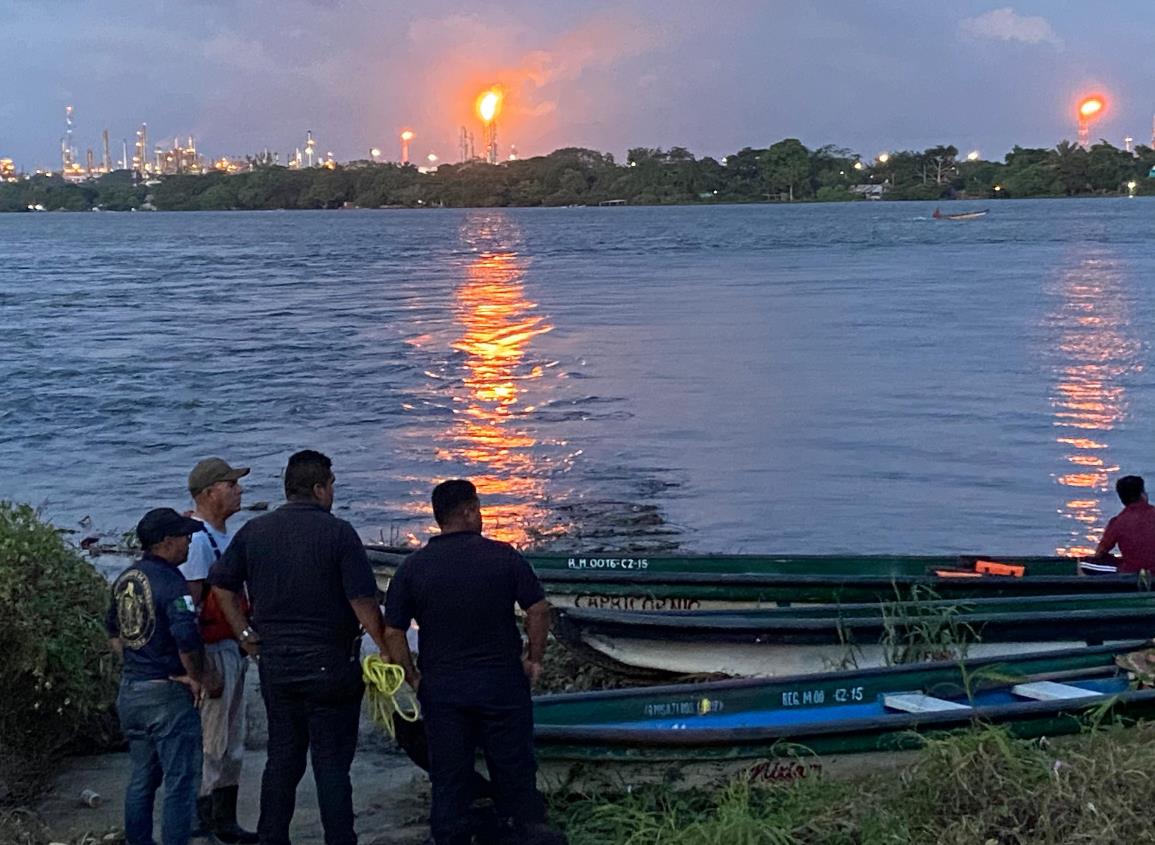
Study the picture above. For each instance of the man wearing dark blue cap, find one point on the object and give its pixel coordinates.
(152, 625)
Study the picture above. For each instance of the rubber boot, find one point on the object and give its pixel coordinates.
(225, 818)
(203, 823)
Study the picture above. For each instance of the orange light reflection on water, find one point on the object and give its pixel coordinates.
(1093, 352)
(498, 324)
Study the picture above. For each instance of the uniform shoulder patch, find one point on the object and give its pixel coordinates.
(135, 608)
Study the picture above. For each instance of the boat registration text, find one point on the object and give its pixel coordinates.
(635, 602)
(608, 563)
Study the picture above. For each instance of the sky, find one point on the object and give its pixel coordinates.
(245, 75)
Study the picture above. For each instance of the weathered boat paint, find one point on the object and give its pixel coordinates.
(692, 582)
(818, 724)
(784, 641)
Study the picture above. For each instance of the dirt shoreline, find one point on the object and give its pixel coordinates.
(390, 798)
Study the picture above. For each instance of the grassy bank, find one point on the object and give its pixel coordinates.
(979, 788)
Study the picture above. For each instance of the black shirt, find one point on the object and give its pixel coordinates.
(302, 566)
(152, 614)
(461, 589)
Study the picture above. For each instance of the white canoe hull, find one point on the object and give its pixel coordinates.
(770, 660)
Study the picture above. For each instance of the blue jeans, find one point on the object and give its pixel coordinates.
(313, 702)
(163, 730)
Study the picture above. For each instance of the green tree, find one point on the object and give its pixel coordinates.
(1072, 168)
(1035, 180)
(941, 162)
(786, 167)
(1109, 167)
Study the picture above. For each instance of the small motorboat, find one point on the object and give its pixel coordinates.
(965, 215)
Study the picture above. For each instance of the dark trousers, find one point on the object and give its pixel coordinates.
(313, 702)
(496, 715)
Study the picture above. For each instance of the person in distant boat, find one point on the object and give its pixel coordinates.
(1132, 530)
(474, 684)
(215, 488)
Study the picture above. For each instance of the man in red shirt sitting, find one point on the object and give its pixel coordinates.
(1132, 530)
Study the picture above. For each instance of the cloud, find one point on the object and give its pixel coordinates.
(549, 73)
(1007, 25)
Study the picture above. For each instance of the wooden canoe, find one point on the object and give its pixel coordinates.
(784, 641)
(692, 582)
(846, 723)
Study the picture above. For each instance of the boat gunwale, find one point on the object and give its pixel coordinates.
(886, 724)
(865, 610)
(970, 665)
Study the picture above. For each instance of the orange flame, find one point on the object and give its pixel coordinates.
(1091, 107)
(489, 104)
(407, 135)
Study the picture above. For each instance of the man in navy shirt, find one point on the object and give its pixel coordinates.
(474, 681)
(152, 624)
(312, 590)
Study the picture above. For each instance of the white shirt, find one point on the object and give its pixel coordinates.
(201, 556)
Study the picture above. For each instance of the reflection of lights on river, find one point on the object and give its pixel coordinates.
(498, 324)
(1093, 352)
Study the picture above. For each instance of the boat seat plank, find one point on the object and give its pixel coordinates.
(1050, 691)
(917, 702)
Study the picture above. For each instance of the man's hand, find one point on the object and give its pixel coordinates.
(198, 692)
(250, 642)
(532, 669)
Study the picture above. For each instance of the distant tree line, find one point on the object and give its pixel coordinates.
(784, 172)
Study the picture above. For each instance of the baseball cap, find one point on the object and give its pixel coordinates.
(211, 470)
(159, 523)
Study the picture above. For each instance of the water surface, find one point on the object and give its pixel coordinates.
(816, 378)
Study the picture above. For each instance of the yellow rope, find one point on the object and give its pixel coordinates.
(383, 682)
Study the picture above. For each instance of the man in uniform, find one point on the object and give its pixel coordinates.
(152, 626)
(474, 683)
(312, 589)
(215, 490)
(1132, 529)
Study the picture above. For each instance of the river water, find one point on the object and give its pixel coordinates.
(816, 378)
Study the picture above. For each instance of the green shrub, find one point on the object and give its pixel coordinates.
(57, 675)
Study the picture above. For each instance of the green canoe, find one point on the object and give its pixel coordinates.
(771, 642)
(836, 723)
(693, 582)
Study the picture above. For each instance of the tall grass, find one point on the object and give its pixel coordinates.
(978, 788)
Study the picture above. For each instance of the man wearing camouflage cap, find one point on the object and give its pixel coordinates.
(214, 487)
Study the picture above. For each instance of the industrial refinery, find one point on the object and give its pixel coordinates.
(147, 158)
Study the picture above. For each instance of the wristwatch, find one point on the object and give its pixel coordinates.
(247, 634)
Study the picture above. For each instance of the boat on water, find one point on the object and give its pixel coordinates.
(772, 642)
(836, 724)
(965, 215)
(637, 581)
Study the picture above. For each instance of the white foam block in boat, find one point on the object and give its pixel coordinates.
(916, 702)
(1051, 691)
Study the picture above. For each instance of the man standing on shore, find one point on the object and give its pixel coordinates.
(474, 684)
(215, 490)
(152, 626)
(312, 590)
